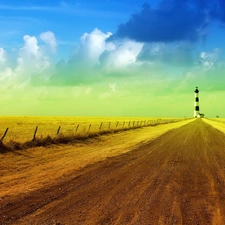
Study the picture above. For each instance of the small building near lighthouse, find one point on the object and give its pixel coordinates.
(201, 115)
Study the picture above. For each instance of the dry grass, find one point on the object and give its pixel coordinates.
(26, 170)
(219, 124)
(21, 129)
(219, 119)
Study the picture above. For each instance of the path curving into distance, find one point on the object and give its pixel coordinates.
(179, 178)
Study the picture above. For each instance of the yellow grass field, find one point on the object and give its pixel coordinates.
(222, 120)
(217, 123)
(21, 129)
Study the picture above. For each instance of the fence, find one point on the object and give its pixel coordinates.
(76, 130)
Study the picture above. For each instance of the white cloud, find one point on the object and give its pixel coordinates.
(31, 58)
(93, 45)
(2, 55)
(49, 38)
(123, 54)
(94, 49)
(209, 59)
(95, 57)
(30, 46)
(32, 61)
(29, 54)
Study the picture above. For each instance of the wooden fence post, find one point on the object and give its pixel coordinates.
(35, 132)
(123, 123)
(117, 123)
(109, 125)
(4, 134)
(100, 126)
(58, 130)
(89, 128)
(77, 128)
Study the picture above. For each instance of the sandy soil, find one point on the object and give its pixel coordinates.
(178, 178)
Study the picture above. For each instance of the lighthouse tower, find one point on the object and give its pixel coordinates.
(196, 111)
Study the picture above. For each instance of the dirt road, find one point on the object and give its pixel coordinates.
(179, 178)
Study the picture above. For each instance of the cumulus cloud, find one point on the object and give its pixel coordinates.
(94, 57)
(80, 68)
(31, 58)
(92, 45)
(31, 64)
(49, 38)
(30, 46)
(124, 54)
(98, 58)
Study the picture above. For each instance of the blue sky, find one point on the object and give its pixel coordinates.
(112, 58)
(68, 19)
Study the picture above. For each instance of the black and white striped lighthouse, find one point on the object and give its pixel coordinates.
(196, 111)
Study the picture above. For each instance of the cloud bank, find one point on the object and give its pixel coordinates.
(172, 20)
(98, 60)
(154, 55)
(95, 59)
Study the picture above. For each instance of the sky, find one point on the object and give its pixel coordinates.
(111, 57)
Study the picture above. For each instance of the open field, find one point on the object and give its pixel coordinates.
(217, 123)
(219, 119)
(165, 174)
(21, 129)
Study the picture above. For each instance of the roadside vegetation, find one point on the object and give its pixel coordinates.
(28, 132)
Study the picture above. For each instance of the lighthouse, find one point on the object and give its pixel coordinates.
(196, 111)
